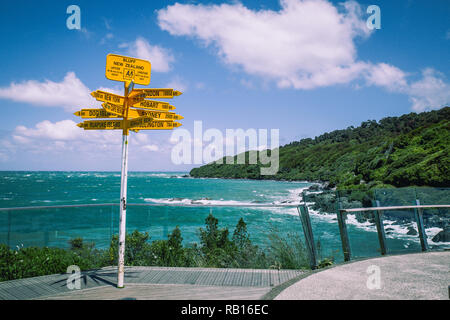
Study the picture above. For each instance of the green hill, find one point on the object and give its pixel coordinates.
(412, 149)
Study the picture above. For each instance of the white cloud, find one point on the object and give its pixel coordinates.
(160, 58)
(70, 93)
(66, 130)
(86, 33)
(62, 145)
(61, 130)
(385, 75)
(151, 147)
(140, 138)
(177, 83)
(64, 136)
(430, 92)
(107, 23)
(107, 37)
(306, 44)
(116, 90)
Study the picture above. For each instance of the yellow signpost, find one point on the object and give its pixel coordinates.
(115, 98)
(120, 68)
(158, 93)
(102, 125)
(95, 113)
(145, 123)
(155, 117)
(154, 105)
(135, 113)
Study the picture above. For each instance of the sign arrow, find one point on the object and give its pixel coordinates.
(146, 123)
(134, 113)
(116, 99)
(158, 93)
(102, 125)
(95, 113)
(155, 105)
(142, 123)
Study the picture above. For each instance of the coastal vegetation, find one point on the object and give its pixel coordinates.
(388, 160)
(412, 149)
(216, 249)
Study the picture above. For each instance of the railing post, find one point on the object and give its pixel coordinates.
(307, 230)
(380, 228)
(341, 216)
(418, 213)
(8, 241)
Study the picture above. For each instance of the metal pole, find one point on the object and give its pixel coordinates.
(380, 228)
(123, 196)
(123, 211)
(341, 216)
(9, 229)
(420, 227)
(309, 238)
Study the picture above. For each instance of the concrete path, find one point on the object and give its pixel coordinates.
(424, 276)
(152, 283)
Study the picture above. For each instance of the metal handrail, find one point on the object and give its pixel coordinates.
(378, 217)
(60, 206)
(395, 208)
(250, 205)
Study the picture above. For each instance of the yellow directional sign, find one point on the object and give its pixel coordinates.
(156, 115)
(145, 123)
(155, 105)
(116, 99)
(158, 93)
(118, 111)
(121, 68)
(114, 108)
(102, 125)
(95, 113)
(108, 97)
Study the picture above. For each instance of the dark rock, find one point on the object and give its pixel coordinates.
(327, 186)
(314, 187)
(443, 236)
(411, 231)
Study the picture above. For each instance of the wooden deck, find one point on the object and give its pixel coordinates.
(159, 283)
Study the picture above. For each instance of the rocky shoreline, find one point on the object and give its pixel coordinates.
(322, 199)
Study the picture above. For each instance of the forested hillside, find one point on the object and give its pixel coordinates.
(412, 149)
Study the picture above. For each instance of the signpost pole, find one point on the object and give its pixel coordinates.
(123, 196)
(131, 71)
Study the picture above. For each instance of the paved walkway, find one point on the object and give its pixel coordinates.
(160, 283)
(413, 276)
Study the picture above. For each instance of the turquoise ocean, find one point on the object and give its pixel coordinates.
(54, 227)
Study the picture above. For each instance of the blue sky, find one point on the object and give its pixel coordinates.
(304, 67)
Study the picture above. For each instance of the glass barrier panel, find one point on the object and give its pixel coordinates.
(54, 227)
